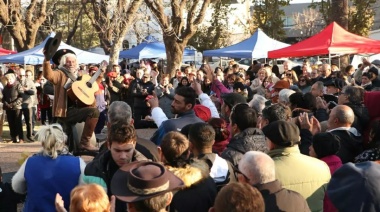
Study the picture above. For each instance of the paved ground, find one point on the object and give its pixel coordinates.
(10, 153)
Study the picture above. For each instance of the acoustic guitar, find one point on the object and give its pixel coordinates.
(83, 90)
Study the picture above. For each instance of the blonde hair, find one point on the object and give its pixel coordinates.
(53, 140)
(89, 198)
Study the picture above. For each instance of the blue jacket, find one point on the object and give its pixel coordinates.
(174, 125)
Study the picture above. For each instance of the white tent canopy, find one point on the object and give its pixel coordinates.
(35, 55)
(257, 46)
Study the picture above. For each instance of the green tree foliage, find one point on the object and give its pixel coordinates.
(268, 15)
(67, 16)
(216, 35)
(360, 14)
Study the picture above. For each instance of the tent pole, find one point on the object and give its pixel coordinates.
(329, 58)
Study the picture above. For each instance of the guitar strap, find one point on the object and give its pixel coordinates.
(70, 80)
(68, 74)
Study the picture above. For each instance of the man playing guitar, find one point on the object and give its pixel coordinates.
(66, 109)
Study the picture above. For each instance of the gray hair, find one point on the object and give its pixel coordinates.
(258, 167)
(355, 94)
(62, 61)
(284, 94)
(53, 140)
(119, 112)
(258, 103)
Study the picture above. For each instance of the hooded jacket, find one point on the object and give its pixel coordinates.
(101, 170)
(199, 192)
(251, 139)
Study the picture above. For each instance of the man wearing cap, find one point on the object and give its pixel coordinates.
(145, 186)
(303, 174)
(374, 79)
(64, 108)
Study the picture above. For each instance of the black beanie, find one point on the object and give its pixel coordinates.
(326, 144)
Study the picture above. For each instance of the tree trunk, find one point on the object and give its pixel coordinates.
(115, 50)
(174, 54)
(339, 14)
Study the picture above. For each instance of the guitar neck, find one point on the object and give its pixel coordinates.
(94, 77)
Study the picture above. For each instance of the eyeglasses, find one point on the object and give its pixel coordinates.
(238, 172)
(302, 80)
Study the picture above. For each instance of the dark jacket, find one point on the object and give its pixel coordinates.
(101, 170)
(148, 149)
(12, 96)
(137, 93)
(199, 192)
(251, 139)
(165, 100)
(350, 145)
(221, 170)
(115, 90)
(8, 198)
(361, 117)
(277, 198)
(174, 125)
(306, 141)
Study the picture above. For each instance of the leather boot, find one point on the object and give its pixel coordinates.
(88, 130)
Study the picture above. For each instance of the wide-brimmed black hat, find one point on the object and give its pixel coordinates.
(51, 46)
(57, 56)
(143, 180)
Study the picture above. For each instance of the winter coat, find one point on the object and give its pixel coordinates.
(277, 198)
(251, 139)
(350, 145)
(303, 174)
(361, 117)
(137, 93)
(12, 96)
(334, 163)
(368, 155)
(101, 170)
(199, 192)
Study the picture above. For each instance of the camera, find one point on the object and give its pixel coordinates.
(332, 104)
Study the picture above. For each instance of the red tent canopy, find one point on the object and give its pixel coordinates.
(332, 40)
(6, 51)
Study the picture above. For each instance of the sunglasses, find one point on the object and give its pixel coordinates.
(302, 80)
(289, 75)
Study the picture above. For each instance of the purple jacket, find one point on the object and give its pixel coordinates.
(218, 88)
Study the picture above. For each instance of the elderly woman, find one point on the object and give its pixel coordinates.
(261, 74)
(12, 100)
(53, 170)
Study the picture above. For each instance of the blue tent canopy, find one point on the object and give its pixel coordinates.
(150, 48)
(257, 46)
(35, 55)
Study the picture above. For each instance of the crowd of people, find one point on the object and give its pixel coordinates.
(226, 140)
